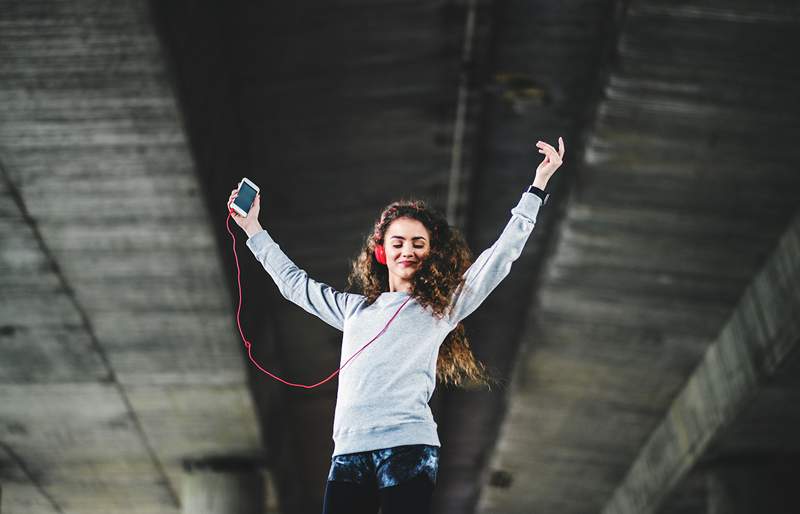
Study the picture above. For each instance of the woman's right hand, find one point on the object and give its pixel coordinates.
(250, 223)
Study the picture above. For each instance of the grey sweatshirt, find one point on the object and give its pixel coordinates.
(384, 391)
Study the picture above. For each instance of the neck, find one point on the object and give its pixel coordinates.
(397, 285)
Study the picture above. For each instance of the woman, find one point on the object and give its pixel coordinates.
(416, 284)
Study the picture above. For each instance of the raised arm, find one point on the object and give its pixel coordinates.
(494, 263)
(317, 298)
(295, 285)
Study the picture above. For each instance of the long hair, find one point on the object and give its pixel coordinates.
(438, 276)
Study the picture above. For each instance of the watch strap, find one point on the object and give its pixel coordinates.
(538, 192)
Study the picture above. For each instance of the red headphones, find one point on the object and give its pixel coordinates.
(380, 253)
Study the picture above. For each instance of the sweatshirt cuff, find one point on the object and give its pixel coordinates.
(528, 207)
(259, 240)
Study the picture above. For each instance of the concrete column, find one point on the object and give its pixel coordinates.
(222, 486)
(754, 485)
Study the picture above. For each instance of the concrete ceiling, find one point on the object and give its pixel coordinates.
(117, 358)
(648, 331)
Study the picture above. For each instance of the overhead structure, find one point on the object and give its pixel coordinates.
(645, 339)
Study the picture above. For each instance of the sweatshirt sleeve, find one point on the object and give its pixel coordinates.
(319, 299)
(494, 263)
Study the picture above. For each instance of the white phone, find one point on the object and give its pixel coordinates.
(245, 196)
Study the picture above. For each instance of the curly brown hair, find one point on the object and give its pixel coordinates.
(439, 275)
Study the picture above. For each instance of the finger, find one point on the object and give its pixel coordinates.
(551, 152)
(548, 152)
(546, 146)
(561, 146)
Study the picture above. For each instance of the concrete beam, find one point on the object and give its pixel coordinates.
(762, 331)
(117, 350)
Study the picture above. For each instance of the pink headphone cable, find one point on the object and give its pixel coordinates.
(248, 345)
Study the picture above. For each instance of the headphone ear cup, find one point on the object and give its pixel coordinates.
(380, 254)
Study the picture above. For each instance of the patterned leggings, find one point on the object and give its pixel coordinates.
(397, 479)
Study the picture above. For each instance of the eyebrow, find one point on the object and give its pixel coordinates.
(403, 238)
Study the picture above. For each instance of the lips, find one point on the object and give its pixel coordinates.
(407, 263)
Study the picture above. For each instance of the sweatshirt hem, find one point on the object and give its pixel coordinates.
(386, 437)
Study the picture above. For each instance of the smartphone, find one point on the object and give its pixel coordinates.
(245, 196)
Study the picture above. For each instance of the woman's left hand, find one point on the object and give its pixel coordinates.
(552, 159)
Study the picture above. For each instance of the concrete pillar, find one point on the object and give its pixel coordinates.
(222, 486)
(754, 485)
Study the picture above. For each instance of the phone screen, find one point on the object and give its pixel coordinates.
(245, 197)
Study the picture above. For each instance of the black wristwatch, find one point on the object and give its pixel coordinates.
(538, 192)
